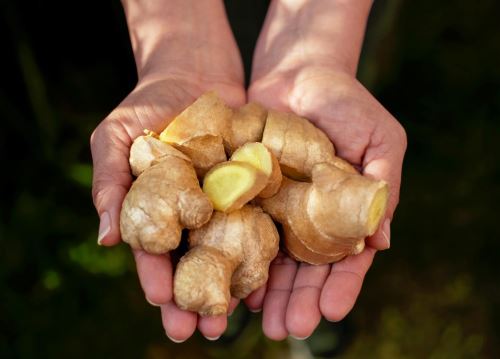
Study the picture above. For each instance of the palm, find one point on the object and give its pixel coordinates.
(363, 133)
(151, 105)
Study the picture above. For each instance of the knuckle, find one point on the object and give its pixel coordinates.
(101, 129)
(98, 192)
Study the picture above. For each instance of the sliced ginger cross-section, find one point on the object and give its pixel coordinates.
(256, 154)
(230, 185)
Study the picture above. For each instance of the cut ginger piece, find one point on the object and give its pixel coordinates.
(200, 132)
(328, 218)
(230, 185)
(256, 154)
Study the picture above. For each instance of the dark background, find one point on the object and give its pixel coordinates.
(434, 64)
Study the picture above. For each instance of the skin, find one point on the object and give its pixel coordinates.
(305, 62)
(171, 75)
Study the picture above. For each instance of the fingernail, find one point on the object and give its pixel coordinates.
(152, 303)
(104, 227)
(256, 310)
(177, 341)
(299, 338)
(386, 232)
(212, 338)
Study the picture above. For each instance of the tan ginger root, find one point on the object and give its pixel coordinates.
(146, 150)
(298, 144)
(199, 131)
(328, 219)
(247, 125)
(208, 128)
(323, 219)
(230, 255)
(165, 198)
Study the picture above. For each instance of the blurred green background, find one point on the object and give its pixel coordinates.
(435, 294)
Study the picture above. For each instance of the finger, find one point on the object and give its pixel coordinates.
(232, 305)
(255, 299)
(179, 324)
(110, 144)
(155, 275)
(212, 327)
(343, 285)
(303, 314)
(384, 160)
(281, 275)
(381, 239)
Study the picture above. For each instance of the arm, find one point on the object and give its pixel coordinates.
(182, 48)
(305, 61)
(183, 37)
(319, 33)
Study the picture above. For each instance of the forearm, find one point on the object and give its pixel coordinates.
(321, 33)
(185, 35)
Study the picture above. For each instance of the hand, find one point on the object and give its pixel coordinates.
(172, 74)
(296, 70)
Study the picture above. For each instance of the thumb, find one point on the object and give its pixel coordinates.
(384, 160)
(110, 145)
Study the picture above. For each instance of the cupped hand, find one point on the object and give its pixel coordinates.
(365, 134)
(151, 105)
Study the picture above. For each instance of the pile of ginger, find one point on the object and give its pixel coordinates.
(281, 169)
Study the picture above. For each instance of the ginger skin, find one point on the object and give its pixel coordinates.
(200, 131)
(230, 255)
(208, 128)
(247, 125)
(165, 198)
(328, 219)
(297, 144)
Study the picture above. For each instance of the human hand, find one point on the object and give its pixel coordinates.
(173, 71)
(298, 76)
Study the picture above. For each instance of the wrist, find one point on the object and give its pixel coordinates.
(301, 34)
(180, 37)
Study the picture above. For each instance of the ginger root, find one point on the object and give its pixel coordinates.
(326, 208)
(208, 128)
(230, 255)
(199, 131)
(247, 125)
(328, 219)
(298, 145)
(165, 198)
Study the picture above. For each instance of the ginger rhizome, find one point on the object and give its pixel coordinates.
(247, 125)
(208, 128)
(199, 131)
(164, 199)
(281, 167)
(328, 219)
(230, 255)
